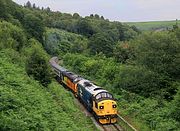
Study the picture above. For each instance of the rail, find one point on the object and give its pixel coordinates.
(126, 126)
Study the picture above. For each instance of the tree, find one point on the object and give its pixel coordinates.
(123, 52)
(138, 80)
(125, 32)
(48, 9)
(160, 52)
(135, 29)
(100, 42)
(96, 16)
(3, 9)
(76, 15)
(28, 4)
(34, 26)
(11, 36)
(175, 106)
(91, 15)
(37, 66)
(177, 32)
(102, 17)
(175, 27)
(34, 6)
(84, 28)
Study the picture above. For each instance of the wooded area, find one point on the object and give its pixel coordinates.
(140, 68)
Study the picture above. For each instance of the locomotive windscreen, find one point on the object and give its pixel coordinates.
(103, 95)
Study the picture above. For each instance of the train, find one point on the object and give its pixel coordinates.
(96, 99)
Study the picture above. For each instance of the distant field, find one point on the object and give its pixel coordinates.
(154, 25)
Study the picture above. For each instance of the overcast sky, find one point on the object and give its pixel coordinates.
(119, 10)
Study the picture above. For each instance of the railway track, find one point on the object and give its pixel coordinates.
(112, 127)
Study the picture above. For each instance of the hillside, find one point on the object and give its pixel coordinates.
(60, 42)
(141, 69)
(30, 99)
(139, 83)
(154, 25)
(26, 105)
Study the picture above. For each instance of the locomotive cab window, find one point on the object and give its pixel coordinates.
(103, 95)
(98, 96)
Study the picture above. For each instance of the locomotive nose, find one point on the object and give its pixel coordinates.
(108, 112)
(109, 107)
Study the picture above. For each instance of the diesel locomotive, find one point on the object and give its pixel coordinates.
(97, 100)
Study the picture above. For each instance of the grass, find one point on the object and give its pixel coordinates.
(154, 25)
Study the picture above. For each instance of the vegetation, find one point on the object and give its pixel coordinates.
(26, 105)
(11, 36)
(144, 93)
(140, 68)
(59, 42)
(29, 98)
(38, 66)
(146, 82)
(154, 25)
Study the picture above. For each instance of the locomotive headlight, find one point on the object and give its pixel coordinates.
(101, 107)
(114, 106)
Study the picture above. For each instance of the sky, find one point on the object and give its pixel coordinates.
(116, 10)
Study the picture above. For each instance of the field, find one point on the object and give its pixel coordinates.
(154, 25)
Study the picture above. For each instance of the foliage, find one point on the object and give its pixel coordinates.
(61, 42)
(11, 36)
(131, 83)
(160, 53)
(3, 10)
(37, 64)
(120, 77)
(34, 26)
(100, 42)
(175, 113)
(123, 52)
(26, 105)
(84, 28)
(140, 69)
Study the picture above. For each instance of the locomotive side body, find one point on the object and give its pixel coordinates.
(85, 96)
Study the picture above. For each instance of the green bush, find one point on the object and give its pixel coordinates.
(37, 64)
(11, 36)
